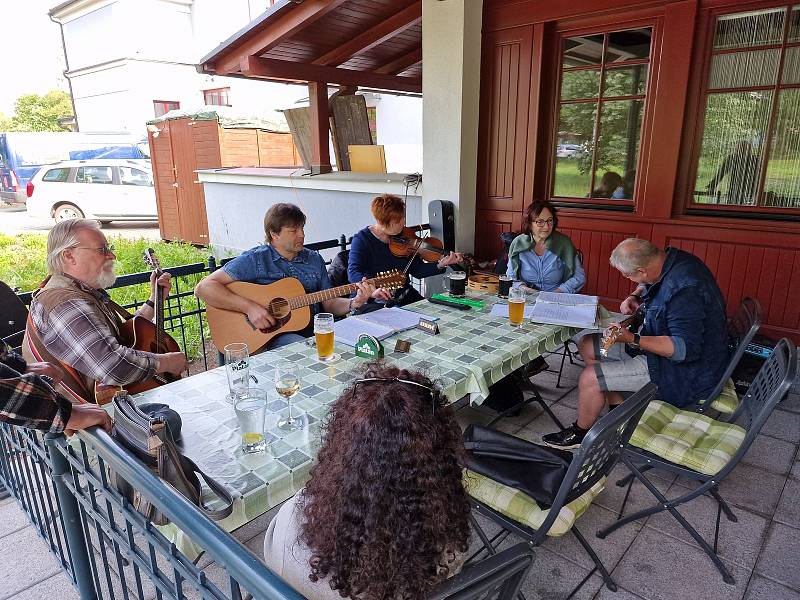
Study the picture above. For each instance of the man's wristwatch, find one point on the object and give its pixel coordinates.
(636, 340)
(350, 310)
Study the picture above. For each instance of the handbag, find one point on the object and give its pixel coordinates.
(151, 439)
(531, 468)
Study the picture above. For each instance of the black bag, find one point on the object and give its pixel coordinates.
(533, 469)
(151, 439)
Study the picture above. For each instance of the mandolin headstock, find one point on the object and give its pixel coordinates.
(152, 260)
(390, 280)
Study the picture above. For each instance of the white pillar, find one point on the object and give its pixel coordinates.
(451, 63)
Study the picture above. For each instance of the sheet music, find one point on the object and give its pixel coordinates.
(567, 299)
(583, 315)
(399, 319)
(347, 330)
(381, 323)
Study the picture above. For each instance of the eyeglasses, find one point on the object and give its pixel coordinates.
(389, 380)
(543, 222)
(104, 250)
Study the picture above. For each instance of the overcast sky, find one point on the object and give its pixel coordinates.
(30, 50)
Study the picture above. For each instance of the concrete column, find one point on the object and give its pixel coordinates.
(451, 62)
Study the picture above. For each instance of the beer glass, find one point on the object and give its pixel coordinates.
(250, 412)
(237, 367)
(504, 286)
(323, 334)
(455, 284)
(287, 384)
(516, 306)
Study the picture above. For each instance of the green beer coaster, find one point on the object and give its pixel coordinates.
(467, 301)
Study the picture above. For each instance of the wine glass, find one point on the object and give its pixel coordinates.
(287, 384)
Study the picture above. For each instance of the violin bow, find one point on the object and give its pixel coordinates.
(413, 256)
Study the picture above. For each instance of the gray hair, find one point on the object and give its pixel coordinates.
(63, 236)
(632, 253)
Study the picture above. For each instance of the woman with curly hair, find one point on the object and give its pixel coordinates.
(385, 514)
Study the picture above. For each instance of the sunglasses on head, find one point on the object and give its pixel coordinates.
(391, 379)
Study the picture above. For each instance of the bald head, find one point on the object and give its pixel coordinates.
(633, 254)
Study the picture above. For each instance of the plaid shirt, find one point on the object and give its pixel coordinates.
(27, 400)
(77, 335)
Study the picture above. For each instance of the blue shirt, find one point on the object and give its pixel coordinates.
(263, 264)
(546, 272)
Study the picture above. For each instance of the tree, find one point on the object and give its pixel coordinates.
(33, 112)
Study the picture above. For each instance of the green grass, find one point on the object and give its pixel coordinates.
(23, 265)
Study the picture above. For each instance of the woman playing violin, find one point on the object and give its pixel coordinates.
(370, 253)
(542, 258)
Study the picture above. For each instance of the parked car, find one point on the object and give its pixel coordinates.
(103, 189)
(567, 150)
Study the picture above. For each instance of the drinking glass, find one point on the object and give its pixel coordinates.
(504, 286)
(455, 284)
(237, 366)
(516, 306)
(287, 384)
(250, 412)
(323, 334)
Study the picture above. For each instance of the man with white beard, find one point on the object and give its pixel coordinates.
(73, 322)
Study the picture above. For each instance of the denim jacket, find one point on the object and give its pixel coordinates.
(687, 305)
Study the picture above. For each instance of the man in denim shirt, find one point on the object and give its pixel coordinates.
(282, 256)
(682, 346)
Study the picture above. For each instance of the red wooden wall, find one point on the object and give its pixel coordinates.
(519, 74)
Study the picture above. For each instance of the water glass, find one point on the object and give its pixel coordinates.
(287, 384)
(250, 412)
(516, 306)
(237, 367)
(323, 334)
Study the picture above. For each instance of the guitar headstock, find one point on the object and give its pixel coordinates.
(152, 260)
(390, 280)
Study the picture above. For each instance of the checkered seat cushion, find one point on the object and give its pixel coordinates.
(524, 509)
(687, 438)
(728, 400)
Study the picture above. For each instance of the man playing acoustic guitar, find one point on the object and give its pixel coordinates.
(283, 255)
(73, 323)
(682, 345)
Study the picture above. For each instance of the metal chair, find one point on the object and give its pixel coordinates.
(498, 577)
(694, 446)
(585, 479)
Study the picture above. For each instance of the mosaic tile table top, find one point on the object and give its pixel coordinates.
(472, 351)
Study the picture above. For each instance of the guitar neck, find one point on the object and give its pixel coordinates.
(337, 292)
(158, 309)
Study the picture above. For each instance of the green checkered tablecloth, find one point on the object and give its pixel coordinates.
(473, 351)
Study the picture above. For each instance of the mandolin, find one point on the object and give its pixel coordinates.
(145, 335)
(612, 334)
(286, 301)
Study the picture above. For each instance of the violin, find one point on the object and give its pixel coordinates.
(408, 243)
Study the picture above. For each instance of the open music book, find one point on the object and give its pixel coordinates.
(573, 310)
(380, 324)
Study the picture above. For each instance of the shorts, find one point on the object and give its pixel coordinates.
(619, 372)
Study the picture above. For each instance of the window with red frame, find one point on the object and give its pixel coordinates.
(161, 107)
(217, 97)
(600, 108)
(749, 138)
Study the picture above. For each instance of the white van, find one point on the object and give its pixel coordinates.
(103, 189)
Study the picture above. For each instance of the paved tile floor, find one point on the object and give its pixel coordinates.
(652, 560)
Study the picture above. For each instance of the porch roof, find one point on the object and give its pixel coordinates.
(373, 44)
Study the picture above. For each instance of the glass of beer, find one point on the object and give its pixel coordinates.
(287, 384)
(516, 306)
(323, 334)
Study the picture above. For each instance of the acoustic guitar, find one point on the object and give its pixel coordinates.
(612, 334)
(143, 334)
(286, 301)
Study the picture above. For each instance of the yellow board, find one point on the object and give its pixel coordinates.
(367, 158)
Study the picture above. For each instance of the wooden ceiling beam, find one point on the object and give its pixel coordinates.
(401, 63)
(284, 70)
(386, 29)
(272, 34)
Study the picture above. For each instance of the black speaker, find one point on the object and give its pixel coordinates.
(442, 218)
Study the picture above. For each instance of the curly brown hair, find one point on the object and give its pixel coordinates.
(385, 510)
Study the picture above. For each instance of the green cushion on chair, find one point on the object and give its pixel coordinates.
(524, 509)
(728, 400)
(687, 438)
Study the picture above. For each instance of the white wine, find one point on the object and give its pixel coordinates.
(287, 387)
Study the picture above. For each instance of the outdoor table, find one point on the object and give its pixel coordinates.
(473, 351)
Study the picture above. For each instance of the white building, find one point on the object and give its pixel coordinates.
(132, 60)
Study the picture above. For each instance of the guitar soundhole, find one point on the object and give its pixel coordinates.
(279, 308)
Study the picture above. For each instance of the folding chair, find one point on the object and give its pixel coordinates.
(498, 577)
(520, 514)
(742, 327)
(697, 447)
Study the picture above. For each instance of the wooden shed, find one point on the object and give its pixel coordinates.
(184, 143)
